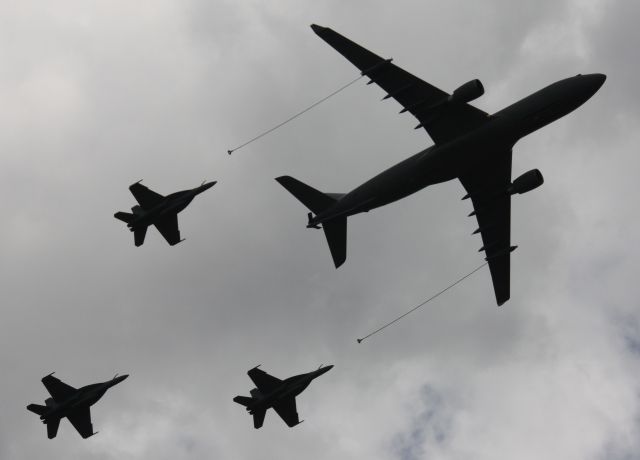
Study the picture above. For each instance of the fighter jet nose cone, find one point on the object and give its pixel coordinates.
(325, 369)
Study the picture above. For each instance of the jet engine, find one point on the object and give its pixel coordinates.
(468, 92)
(526, 182)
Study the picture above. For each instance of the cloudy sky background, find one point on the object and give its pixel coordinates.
(97, 95)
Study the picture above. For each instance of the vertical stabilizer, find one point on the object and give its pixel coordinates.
(258, 418)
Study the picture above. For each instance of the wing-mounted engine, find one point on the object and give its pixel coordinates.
(526, 182)
(468, 92)
(465, 93)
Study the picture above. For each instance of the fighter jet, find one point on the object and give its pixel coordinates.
(470, 145)
(278, 394)
(158, 210)
(66, 401)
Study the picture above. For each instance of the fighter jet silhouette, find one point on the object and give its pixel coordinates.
(158, 210)
(276, 393)
(470, 145)
(66, 401)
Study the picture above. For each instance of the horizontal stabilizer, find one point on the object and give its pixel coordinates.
(243, 400)
(139, 234)
(313, 199)
(37, 409)
(336, 232)
(52, 428)
(124, 216)
(258, 418)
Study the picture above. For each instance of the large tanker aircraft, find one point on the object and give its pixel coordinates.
(470, 145)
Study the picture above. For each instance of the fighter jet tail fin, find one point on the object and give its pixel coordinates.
(258, 418)
(139, 234)
(243, 400)
(124, 216)
(336, 232)
(313, 199)
(52, 428)
(37, 409)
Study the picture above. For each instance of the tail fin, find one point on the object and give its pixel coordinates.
(258, 418)
(139, 234)
(37, 409)
(243, 400)
(335, 230)
(313, 199)
(124, 216)
(52, 428)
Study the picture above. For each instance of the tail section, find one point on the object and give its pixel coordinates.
(335, 230)
(52, 428)
(258, 418)
(313, 199)
(139, 234)
(124, 216)
(37, 409)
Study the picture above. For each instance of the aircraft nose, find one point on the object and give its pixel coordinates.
(326, 369)
(208, 185)
(122, 377)
(596, 80)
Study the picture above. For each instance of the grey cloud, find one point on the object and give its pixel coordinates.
(99, 96)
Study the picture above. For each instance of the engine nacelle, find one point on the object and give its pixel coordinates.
(468, 92)
(526, 182)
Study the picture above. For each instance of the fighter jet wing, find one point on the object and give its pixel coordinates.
(264, 382)
(146, 197)
(168, 227)
(487, 187)
(286, 409)
(443, 122)
(81, 421)
(58, 390)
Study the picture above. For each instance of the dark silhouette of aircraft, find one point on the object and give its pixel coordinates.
(470, 145)
(66, 401)
(276, 393)
(158, 210)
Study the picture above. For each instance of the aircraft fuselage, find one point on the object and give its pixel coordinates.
(290, 387)
(444, 162)
(171, 204)
(86, 396)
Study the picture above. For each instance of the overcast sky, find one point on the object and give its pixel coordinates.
(97, 95)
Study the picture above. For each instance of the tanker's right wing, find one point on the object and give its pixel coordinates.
(443, 120)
